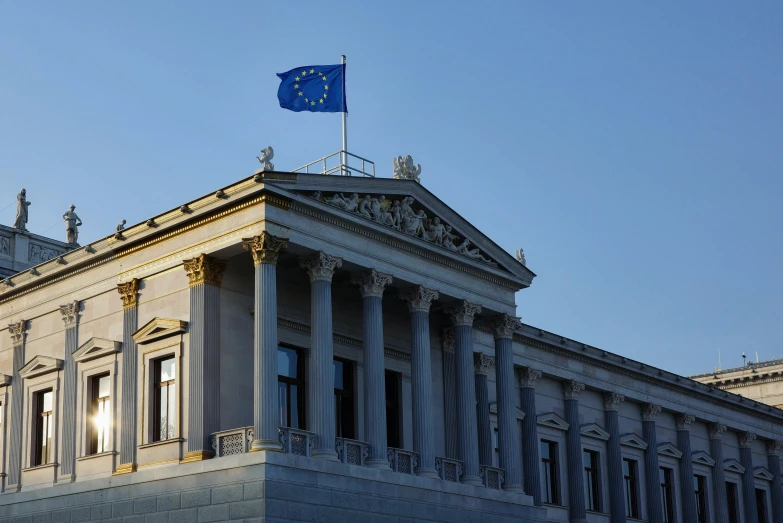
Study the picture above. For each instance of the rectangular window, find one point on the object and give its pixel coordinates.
(732, 502)
(43, 443)
(290, 387)
(667, 493)
(100, 419)
(165, 399)
(761, 505)
(549, 475)
(700, 489)
(592, 481)
(343, 398)
(393, 414)
(631, 483)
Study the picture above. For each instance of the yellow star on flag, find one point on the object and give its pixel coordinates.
(321, 100)
(312, 71)
(312, 103)
(300, 93)
(297, 78)
(304, 73)
(324, 78)
(306, 100)
(296, 86)
(325, 95)
(326, 87)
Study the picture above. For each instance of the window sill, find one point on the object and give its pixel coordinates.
(598, 512)
(39, 467)
(553, 505)
(99, 455)
(164, 442)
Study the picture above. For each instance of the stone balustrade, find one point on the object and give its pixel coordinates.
(297, 441)
(403, 461)
(351, 451)
(492, 477)
(230, 442)
(448, 469)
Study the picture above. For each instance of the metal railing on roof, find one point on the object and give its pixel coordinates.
(325, 166)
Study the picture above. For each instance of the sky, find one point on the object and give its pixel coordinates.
(633, 149)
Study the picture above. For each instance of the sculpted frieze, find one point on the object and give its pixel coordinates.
(405, 216)
(5, 245)
(40, 254)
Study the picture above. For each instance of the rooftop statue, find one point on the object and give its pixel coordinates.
(120, 228)
(21, 211)
(405, 169)
(266, 159)
(72, 224)
(521, 257)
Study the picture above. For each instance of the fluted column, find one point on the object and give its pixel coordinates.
(746, 440)
(265, 250)
(689, 510)
(576, 482)
(419, 300)
(481, 364)
(773, 461)
(503, 327)
(320, 391)
(720, 506)
(371, 284)
(18, 334)
(614, 457)
(129, 293)
(652, 480)
(70, 317)
(531, 457)
(462, 315)
(449, 393)
(205, 275)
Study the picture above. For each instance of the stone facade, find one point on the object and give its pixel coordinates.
(261, 354)
(762, 381)
(22, 250)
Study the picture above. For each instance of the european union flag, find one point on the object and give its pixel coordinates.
(315, 88)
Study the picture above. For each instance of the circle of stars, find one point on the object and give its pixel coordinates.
(300, 78)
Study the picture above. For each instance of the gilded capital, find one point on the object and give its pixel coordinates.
(70, 313)
(650, 411)
(482, 362)
(572, 389)
(265, 247)
(205, 269)
(716, 430)
(612, 401)
(371, 283)
(528, 377)
(321, 266)
(129, 292)
(17, 331)
(448, 340)
(419, 299)
(503, 326)
(463, 312)
(746, 439)
(684, 421)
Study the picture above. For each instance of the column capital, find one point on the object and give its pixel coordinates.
(746, 439)
(463, 312)
(572, 389)
(265, 247)
(447, 339)
(612, 401)
(419, 298)
(204, 269)
(371, 283)
(716, 430)
(774, 447)
(650, 411)
(482, 362)
(70, 313)
(17, 331)
(527, 377)
(129, 292)
(321, 266)
(503, 326)
(684, 421)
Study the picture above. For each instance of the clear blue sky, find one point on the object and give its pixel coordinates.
(634, 149)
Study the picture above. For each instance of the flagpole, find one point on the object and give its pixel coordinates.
(344, 155)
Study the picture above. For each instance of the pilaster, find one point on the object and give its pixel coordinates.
(576, 488)
(481, 365)
(18, 332)
(448, 343)
(687, 499)
(614, 458)
(746, 440)
(720, 506)
(531, 457)
(70, 317)
(129, 293)
(773, 460)
(652, 480)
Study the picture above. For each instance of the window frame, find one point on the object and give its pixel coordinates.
(396, 404)
(736, 489)
(597, 494)
(342, 394)
(49, 380)
(764, 491)
(147, 392)
(668, 484)
(95, 401)
(41, 454)
(299, 382)
(554, 484)
(702, 515)
(635, 483)
(87, 370)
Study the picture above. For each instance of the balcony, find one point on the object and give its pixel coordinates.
(351, 451)
(403, 461)
(492, 477)
(449, 469)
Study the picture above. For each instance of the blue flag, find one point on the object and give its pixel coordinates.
(314, 88)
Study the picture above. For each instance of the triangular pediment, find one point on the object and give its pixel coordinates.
(632, 440)
(493, 409)
(669, 449)
(732, 465)
(40, 365)
(550, 419)
(95, 348)
(594, 430)
(702, 458)
(762, 473)
(159, 328)
(5, 380)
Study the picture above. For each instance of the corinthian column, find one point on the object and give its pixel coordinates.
(371, 284)
(718, 476)
(129, 293)
(530, 451)
(419, 300)
(17, 331)
(449, 393)
(265, 249)
(773, 460)
(205, 275)
(746, 440)
(689, 510)
(320, 394)
(462, 315)
(576, 482)
(503, 328)
(481, 365)
(614, 458)
(70, 316)
(652, 481)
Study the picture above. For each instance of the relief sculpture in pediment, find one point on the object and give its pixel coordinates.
(40, 254)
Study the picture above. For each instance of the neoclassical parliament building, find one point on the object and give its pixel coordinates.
(308, 348)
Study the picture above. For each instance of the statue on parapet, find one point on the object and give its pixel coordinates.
(72, 224)
(266, 159)
(405, 169)
(521, 257)
(21, 211)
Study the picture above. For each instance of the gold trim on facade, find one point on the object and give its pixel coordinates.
(265, 247)
(125, 468)
(161, 462)
(205, 269)
(199, 455)
(129, 292)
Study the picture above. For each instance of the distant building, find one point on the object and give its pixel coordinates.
(762, 382)
(21, 250)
